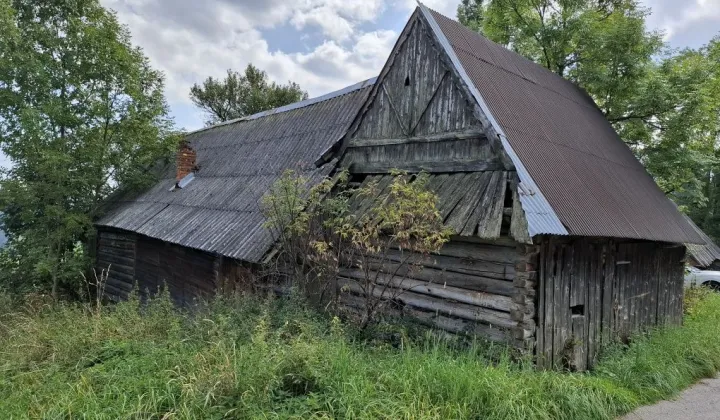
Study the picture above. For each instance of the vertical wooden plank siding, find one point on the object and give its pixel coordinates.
(594, 291)
(540, 307)
(559, 322)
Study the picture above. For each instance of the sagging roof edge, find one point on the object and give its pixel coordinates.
(541, 217)
(293, 106)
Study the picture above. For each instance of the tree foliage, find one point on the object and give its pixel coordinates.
(663, 103)
(322, 232)
(82, 114)
(242, 94)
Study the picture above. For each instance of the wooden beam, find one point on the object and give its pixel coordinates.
(492, 135)
(428, 303)
(395, 112)
(470, 297)
(458, 135)
(423, 166)
(416, 121)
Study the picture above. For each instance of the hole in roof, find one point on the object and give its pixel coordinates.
(407, 81)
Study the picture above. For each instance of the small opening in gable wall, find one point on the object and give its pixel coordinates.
(578, 310)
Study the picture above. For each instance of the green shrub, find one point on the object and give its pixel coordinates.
(276, 359)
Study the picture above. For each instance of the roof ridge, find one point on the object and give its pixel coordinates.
(292, 106)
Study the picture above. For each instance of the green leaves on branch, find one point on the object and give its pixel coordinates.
(82, 114)
(663, 104)
(331, 226)
(242, 94)
(406, 212)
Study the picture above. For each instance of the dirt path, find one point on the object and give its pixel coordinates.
(700, 402)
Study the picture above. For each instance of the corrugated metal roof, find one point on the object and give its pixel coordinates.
(586, 177)
(219, 211)
(707, 253)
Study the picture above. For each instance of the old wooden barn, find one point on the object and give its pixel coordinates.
(562, 241)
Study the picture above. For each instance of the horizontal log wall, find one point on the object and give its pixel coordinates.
(593, 291)
(115, 256)
(469, 287)
(149, 264)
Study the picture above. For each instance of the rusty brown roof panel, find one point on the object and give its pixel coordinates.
(590, 178)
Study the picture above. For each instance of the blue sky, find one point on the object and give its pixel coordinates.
(323, 45)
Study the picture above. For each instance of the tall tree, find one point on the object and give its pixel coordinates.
(689, 145)
(645, 91)
(602, 45)
(241, 94)
(82, 114)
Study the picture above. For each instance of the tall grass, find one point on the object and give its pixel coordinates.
(250, 359)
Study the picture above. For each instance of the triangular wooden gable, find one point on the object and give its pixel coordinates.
(416, 94)
(420, 116)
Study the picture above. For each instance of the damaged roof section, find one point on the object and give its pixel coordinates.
(471, 204)
(236, 164)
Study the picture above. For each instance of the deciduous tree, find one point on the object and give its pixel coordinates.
(241, 94)
(662, 103)
(82, 113)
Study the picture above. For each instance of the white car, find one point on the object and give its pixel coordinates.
(696, 277)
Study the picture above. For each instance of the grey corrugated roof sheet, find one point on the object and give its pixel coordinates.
(707, 253)
(219, 211)
(590, 178)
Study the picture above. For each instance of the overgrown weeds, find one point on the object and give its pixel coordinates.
(254, 359)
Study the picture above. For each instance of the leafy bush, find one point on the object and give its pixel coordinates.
(321, 231)
(253, 359)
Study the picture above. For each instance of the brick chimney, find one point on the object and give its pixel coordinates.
(185, 160)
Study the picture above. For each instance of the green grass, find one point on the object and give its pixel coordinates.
(248, 359)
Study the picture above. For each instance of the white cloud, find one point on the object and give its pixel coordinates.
(189, 43)
(694, 12)
(445, 7)
(676, 17)
(333, 25)
(190, 40)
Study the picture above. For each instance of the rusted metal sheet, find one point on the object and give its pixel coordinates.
(219, 211)
(577, 176)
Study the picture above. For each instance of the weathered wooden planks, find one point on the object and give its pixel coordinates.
(453, 279)
(424, 94)
(429, 303)
(474, 135)
(443, 291)
(594, 291)
(431, 166)
(115, 256)
(469, 288)
(518, 222)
